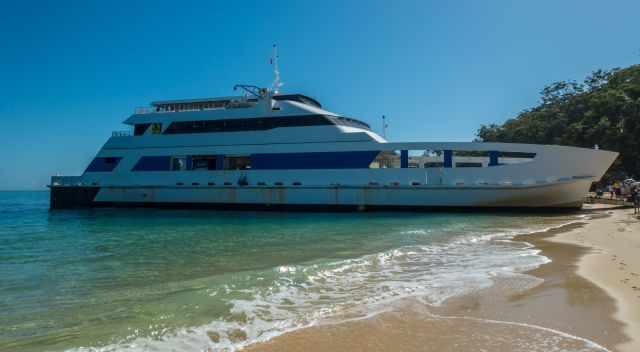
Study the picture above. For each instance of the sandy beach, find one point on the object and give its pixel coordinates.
(586, 298)
(612, 263)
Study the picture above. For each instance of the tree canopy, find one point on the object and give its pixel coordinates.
(603, 110)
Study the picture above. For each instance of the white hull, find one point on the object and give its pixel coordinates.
(555, 195)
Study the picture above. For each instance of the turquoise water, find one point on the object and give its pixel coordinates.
(162, 280)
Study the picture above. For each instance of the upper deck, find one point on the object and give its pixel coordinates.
(219, 103)
(252, 114)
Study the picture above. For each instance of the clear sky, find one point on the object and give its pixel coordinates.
(72, 71)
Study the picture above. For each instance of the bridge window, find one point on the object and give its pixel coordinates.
(106, 164)
(140, 129)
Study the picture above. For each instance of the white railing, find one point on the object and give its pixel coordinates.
(121, 134)
(66, 181)
(143, 110)
(151, 110)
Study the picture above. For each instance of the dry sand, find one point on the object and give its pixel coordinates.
(587, 299)
(613, 263)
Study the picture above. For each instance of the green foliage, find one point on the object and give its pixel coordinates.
(602, 110)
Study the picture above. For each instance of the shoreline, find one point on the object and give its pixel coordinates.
(571, 305)
(612, 263)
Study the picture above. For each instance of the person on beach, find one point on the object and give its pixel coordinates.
(635, 198)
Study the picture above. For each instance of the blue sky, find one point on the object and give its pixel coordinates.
(71, 72)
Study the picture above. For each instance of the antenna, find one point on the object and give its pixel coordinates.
(275, 86)
(384, 127)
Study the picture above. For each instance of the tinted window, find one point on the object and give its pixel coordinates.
(103, 164)
(251, 124)
(140, 129)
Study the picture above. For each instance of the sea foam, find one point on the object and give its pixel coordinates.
(309, 294)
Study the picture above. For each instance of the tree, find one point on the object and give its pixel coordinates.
(602, 110)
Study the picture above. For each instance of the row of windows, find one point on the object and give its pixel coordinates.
(192, 162)
(268, 161)
(308, 160)
(248, 124)
(251, 124)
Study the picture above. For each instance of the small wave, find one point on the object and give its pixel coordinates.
(416, 232)
(298, 296)
(591, 345)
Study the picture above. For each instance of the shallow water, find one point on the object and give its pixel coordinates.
(161, 280)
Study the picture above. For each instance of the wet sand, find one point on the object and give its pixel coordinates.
(574, 304)
(613, 263)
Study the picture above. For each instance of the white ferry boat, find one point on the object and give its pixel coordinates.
(284, 151)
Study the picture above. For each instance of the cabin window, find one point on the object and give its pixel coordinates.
(240, 162)
(140, 129)
(203, 162)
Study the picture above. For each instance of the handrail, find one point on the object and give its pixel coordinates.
(66, 181)
(143, 110)
(121, 134)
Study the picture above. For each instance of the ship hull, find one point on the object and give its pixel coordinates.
(561, 194)
(555, 177)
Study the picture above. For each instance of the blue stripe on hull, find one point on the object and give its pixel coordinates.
(313, 160)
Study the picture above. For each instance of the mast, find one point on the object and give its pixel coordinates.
(275, 86)
(384, 127)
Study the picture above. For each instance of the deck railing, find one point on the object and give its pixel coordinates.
(121, 134)
(141, 110)
(144, 110)
(58, 181)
